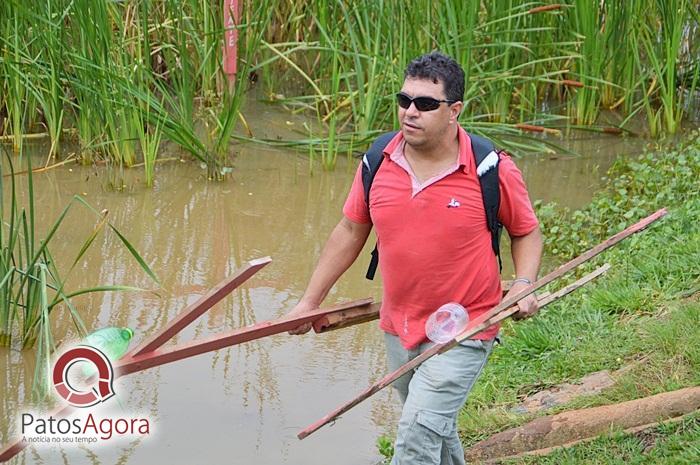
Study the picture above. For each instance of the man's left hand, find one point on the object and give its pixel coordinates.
(528, 305)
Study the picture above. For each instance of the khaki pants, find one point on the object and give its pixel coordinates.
(432, 395)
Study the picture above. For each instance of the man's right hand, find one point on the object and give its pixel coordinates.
(340, 251)
(301, 308)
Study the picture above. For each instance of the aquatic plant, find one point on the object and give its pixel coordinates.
(661, 44)
(116, 71)
(32, 287)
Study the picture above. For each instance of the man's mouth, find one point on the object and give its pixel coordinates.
(408, 125)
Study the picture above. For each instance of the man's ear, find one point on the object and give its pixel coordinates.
(455, 110)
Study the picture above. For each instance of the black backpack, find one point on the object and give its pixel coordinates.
(486, 158)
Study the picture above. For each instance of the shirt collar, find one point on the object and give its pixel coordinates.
(394, 149)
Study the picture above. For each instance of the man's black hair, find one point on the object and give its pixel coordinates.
(439, 67)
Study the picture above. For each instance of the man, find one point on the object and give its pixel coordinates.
(435, 247)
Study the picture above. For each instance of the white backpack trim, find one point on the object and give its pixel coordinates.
(487, 164)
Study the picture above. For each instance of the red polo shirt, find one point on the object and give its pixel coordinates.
(434, 244)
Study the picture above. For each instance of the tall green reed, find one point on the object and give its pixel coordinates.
(13, 58)
(117, 70)
(586, 23)
(32, 286)
(661, 44)
(502, 27)
(365, 71)
(150, 135)
(49, 92)
(372, 47)
(150, 140)
(618, 31)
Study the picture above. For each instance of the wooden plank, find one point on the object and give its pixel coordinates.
(204, 303)
(134, 363)
(363, 314)
(137, 362)
(345, 318)
(484, 322)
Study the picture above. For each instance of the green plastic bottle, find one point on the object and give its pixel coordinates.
(112, 341)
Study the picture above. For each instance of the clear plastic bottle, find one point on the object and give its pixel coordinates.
(112, 341)
(446, 323)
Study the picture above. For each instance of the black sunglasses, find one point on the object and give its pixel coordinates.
(422, 103)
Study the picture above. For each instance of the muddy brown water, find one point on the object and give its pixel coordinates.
(243, 404)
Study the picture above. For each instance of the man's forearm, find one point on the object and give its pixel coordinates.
(341, 250)
(527, 252)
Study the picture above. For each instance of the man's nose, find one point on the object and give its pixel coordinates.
(412, 110)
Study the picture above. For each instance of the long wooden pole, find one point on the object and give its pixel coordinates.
(479, 324)
(483, 322)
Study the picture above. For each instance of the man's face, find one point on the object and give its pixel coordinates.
(423, 129)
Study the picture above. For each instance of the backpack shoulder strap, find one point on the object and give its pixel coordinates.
(372, 159)
(370, 165)
(487, 158)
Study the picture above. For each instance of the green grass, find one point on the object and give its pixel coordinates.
(644, 314)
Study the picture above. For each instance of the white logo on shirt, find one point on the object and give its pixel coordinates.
(454, 203)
